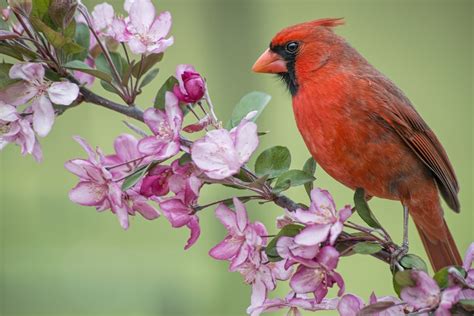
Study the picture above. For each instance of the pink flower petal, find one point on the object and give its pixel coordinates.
(150, 145)
(8, 112)
(173, 111)
(18, 94)
(193, 225)
(43, 115)
(350, 305)
(27, 71)
(226, 217)
(137, 46)
(306, 280)
(246, 140)
(102, 16)
(241, 212)
(161, 26)
(125, 146)
(63, 92)
(88, 193)
(259, 294)
(226, 249)
(155, 119)
(241, 257)
(142, 15)
(313, 235)
(323, 200)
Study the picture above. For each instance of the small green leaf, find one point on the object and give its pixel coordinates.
(82, 38)
(4, 75)
(411, 261)
(366, 248)
(310, 168)
(363, 209)
(442, 276)
(254, 101)
(293, 178)
(402, 279)
(468, 305)
(135, 176)
(102, 64)
(160, 96)
(16, 51)
(149, 77)
(290, 230)
(40, 8)
(273, 161)
(55, 38)
(184, 159)
(109, 87)
(146, 64)
(70, 30)
(81, 66)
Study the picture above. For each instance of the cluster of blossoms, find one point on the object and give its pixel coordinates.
(26, 106)
(163, 172)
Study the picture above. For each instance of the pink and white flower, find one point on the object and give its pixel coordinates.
(97, 187)
(102, 17)
(222, 153)
(295, 303)
(144, 32)
(351, 305)
(165, 126)
(243, 237)
(42, 93)
(316, 276)
(322, 221)
(15, 129)
(191, 87)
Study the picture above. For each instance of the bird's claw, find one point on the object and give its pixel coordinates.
(397, 255)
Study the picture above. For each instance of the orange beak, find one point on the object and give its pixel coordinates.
(270, 62)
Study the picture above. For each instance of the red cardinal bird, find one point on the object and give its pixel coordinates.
(363, 131)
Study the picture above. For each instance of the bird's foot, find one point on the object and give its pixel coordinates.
(397, 255)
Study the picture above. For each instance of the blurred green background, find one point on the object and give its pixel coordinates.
(58, 258)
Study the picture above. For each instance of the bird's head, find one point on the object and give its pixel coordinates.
(298, 50)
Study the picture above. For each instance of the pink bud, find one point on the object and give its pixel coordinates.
(191, 86)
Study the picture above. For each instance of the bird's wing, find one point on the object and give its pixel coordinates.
(399, 113)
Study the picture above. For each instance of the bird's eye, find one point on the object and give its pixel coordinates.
(292, 47)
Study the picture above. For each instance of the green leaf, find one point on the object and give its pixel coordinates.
(146, 64)
(442, 276)
(40, 8)
(294, 178)
(310, 168)
(160, 96)
(109, 87)
(70, 30)
(402, 279)
(467, 304)
(411, 261)
(102, 64)
(253, 101)
(82, 38)
(290, 230)
(149, 77)
(81, 66)
(363, 209)
(366, 248)
(273, 161)
(184, 159)
(55, 38)
(16, 51)
(135, 176)
(5, 80)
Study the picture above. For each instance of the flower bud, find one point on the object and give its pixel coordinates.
(21, 6)
(62, 11)
(191, 86)
(5, 13)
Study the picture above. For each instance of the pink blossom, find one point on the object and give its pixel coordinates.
(15, 129)
(97, 187)
(288, 249)
(316, 276)
(191, 87)
(294, 302)
(143, 31)
(165, 126)
(41, 92)
(182, 214)
(468, 293)
(425, 294)
(156, 182)
(243, 237)
(221, 153)
(351, 305)
(102, 18)
(322, 221)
